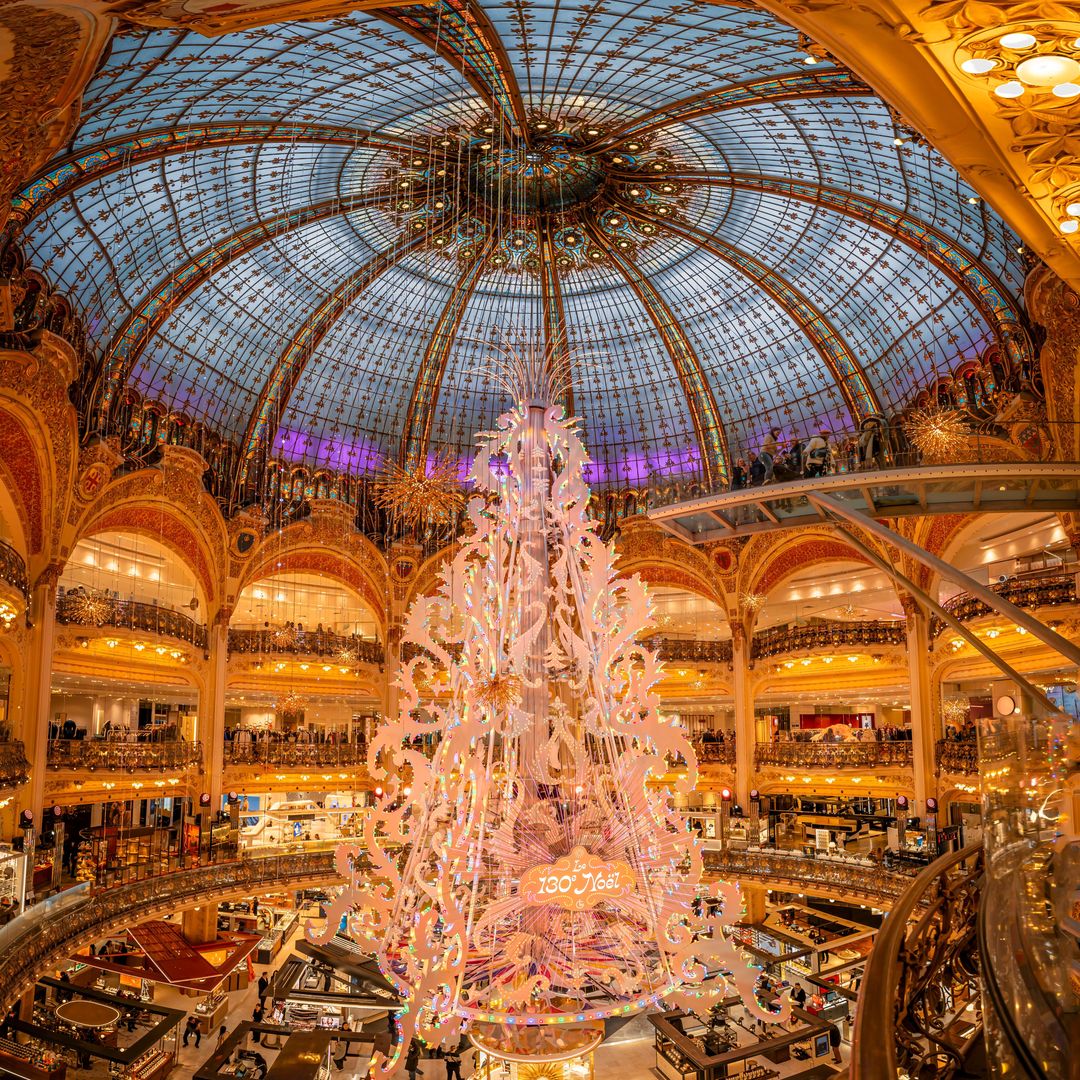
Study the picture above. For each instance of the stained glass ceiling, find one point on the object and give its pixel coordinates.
(309, 235)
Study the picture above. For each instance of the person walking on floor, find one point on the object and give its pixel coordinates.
(220, 1038)
(412, 1060)
(192, 1028)
(264, 985)
(257, 1015)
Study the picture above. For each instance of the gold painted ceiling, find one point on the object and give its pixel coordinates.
(308, 235)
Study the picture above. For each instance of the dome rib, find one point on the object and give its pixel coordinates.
(833, 83)
(424, 398)
(461, 32)
(142, 324)
(708, 427)
(286, 372)
(859, 396)
(987, 294)
(66, 175)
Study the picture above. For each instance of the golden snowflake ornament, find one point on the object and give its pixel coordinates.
(421, 495)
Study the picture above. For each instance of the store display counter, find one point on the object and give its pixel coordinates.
(30, 1062)
(733, 1043)
(212, 1012)
(153, 1065)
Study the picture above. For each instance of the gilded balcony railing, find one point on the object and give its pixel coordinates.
(13, 570)
(822, 634)
(14, 767)
(715, 753)
(958, 756)
(834, 755)
(690, 651)
(1030, 593)
(918, 1009)
(133, 615)
(293, 755)
(122, 754)
(843, 877)
(345, 649)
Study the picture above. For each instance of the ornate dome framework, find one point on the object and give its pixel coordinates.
(305, 235)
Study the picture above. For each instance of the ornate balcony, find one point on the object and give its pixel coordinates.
(822, 634)
(122, 755)
(13, 571)
(833, 755)
(14, 768)
(922, 958)
(690, 651)
(847, 878)
(1030, 594)
(715, 753)
(135, 616)
(294, 641)
(958, 756)
(295, 755)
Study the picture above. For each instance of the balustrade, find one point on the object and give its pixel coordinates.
(14, 767)
(834, 755)
(132, 615)
(715, 753)
(1031, 593)
(123, 754)
(847, 877)
(691, 651)
(13, 570)
(958, 756)
(921, 976)
(821, 634)
(299, 755)
(295, 641)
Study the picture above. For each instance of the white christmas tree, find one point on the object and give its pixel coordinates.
(528, 881)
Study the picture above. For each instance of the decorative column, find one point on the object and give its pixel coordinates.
(212, 707)
(924, 709)
(742, 689)
(31, 723)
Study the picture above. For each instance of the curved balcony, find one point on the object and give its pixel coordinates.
(36, 941)
(13, 570)
(958, 756)
(295, 641)
(121, 755)
(715, 753)
(834, 755)
(823, 634)
(295, 755)
(923, 957)
(14, 767)
(1030, 594)
(691, 651)
(800, 872)
(135, 616)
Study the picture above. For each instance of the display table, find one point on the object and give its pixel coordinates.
(153, 1065)
(18, 1059)
(211, 1014)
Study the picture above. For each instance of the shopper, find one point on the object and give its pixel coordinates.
(453, 1063)
(257, 1015)
(191, 1028)
(264, 985)
(412, 1060)
(220, 1038)
(834, 1042)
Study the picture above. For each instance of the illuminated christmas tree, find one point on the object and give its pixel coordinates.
(528, 880)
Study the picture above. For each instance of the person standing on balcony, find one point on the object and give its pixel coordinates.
(769, 449)
(817, 453)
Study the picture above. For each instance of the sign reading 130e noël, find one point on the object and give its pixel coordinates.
(576, 881)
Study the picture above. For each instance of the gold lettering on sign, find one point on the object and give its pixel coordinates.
(576, 881)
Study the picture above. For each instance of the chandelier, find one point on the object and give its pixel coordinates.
(290, 704)
(425, 493)
(89, 607)
(937, 433)
(546, 885)
(285, 637)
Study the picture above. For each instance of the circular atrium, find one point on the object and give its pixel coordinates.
(539, 542)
